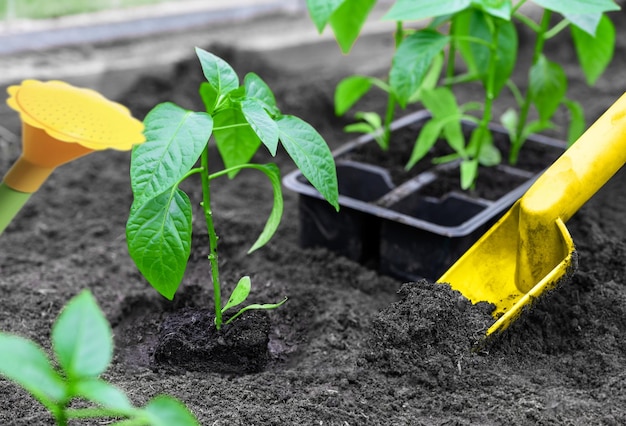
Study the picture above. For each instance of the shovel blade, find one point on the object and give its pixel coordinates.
(487, 271)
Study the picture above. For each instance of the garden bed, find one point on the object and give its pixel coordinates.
(346, 348)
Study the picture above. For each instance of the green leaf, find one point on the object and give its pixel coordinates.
(236, 141)
(349, 91)
(209, 97)
(167, 411)
(273, 173)
(103, 394)
(265, 128)
(321, 11)
(577, 123)
(264, 306)
(469, 172)
(361, 127)
(498, 8)
(425, 141)
(588, 23)
(476, 24)
(239, 294)
(412, 61)
(309, 152)
(159, 239)
(442, 104)
(430, 80)
(255, 88)
(347, 21)
(217, 72)
(411, 10)
(547, 85)
(595, 53)
(25, 363)
(175, 139)
(82, 338)
(489, 154)
(578, 7)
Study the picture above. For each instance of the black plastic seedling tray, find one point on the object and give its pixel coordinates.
(398, 228)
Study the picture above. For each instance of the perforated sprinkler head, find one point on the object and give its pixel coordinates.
(60, 123)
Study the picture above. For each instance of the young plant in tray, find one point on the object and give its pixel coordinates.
(83, 347)
(240, 118)
(483, 34)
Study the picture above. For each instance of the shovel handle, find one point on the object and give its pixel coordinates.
(562, 189)
(583, 169)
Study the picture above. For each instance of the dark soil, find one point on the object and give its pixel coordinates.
(347, 348)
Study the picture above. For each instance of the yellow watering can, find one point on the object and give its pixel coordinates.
(60, 123)
(529, 250)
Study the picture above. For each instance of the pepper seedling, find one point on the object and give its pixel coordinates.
(239, 118)
(60, 123)
(83, 347)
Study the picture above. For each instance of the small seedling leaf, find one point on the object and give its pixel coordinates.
(25, 363)
(262, 124)
(217, 72)
(175, 139)
(469, 171)
(103, 394)
(347, 21)
(264, 306)
(239, 294)
(425, 141)
(548, 84)
(349, 91)
(167, 411)
(412, 61)
(159, 239)
(595, 53)
(257, 89)
(312, 156)
(236, 141)
(82, 338)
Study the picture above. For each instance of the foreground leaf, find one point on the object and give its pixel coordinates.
(25, 363)
(103, 394)
(82, 338)
(312, 156)
(159, 240)
(578, 7)
(175, 139)
(255, 88)
(167, 411)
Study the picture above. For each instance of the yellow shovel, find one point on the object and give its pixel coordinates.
(529, 251)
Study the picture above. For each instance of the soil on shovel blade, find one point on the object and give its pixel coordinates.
(349, 347)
